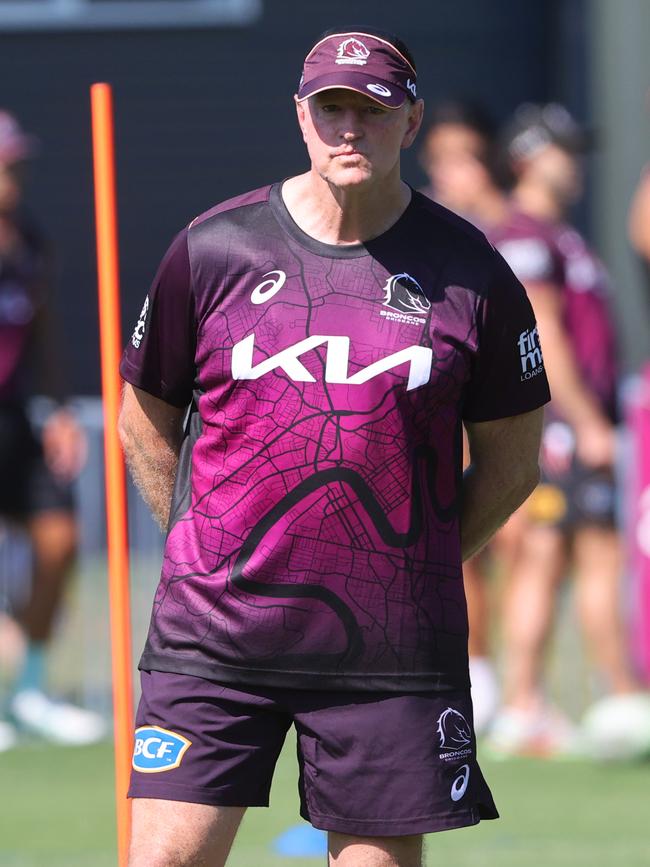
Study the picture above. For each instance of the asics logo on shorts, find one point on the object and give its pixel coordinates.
(459, 786)
(268, 288)
(157, 749)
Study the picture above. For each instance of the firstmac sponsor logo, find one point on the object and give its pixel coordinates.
(157, 749)
(530, 354)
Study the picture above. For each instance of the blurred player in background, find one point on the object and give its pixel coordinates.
(639, 218)
(568, 524)
(36, 469)
(460, 157)
(574, 509)
(319, 514)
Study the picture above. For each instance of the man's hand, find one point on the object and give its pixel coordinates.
(151, 432)
(503, 471)
(65, 446)
(596, 444)
(595, 435)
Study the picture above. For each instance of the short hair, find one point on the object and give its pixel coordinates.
(472, 115)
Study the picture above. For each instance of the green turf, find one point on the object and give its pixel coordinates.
(57, 811)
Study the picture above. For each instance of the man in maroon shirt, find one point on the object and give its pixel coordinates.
(329, 335)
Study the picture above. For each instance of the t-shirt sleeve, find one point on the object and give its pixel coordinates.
(532, 258)
(508, 376)
(160, 356)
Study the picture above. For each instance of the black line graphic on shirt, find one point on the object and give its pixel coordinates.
(361, 483)
(379, 521)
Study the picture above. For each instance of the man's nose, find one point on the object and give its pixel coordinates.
(351, 126)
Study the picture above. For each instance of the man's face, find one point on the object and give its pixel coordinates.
(354, 141)
(559, 171)
(452, 157)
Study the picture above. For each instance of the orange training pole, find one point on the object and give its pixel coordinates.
(116, 508)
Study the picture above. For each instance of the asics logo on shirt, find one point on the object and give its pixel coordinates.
(268, 288)
(419, 359)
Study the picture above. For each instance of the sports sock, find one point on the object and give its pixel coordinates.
(31, 675)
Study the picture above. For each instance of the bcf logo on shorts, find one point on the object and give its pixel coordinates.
(158, 749)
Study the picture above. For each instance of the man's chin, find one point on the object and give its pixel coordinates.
(351, 179)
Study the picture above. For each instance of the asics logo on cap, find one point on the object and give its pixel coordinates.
(379, 89)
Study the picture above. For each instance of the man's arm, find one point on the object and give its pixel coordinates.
(594, 432)
(503, 471)
(639, 216)
(151, 432)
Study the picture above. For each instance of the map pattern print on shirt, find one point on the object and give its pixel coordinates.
(331, 486)
(314, 539)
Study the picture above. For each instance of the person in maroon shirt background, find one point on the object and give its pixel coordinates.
(35, 468)
(294, 394)
(568, 289)
(459, 155)
(570, 521)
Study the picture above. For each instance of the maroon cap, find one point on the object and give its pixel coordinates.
(359, 61)
(15, 144)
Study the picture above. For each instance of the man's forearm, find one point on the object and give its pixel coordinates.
(153, 470)
(487, 503)
(151, 432)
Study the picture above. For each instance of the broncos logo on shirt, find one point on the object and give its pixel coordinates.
(405, 294)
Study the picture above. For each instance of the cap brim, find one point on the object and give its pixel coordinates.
(386, 93)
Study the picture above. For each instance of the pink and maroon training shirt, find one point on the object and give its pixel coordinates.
(555, 253)
(314, 538)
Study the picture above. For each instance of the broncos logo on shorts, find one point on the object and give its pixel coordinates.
(405, 294)
(454, 730)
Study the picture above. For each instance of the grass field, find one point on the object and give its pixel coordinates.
(57, 811)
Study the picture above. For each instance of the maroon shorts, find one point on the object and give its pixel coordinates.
(375, 764)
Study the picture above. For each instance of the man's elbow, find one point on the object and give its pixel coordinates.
(526, 481)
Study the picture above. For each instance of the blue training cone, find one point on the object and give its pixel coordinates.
(301, 841)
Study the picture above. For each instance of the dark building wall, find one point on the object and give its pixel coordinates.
(203, 115)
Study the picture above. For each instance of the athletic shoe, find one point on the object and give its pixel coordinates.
(7, 736)
(544, 733)
(617, 727)
(36, 714)
(485, 692)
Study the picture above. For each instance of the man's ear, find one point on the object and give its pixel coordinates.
(416, 113)
(301, 112)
